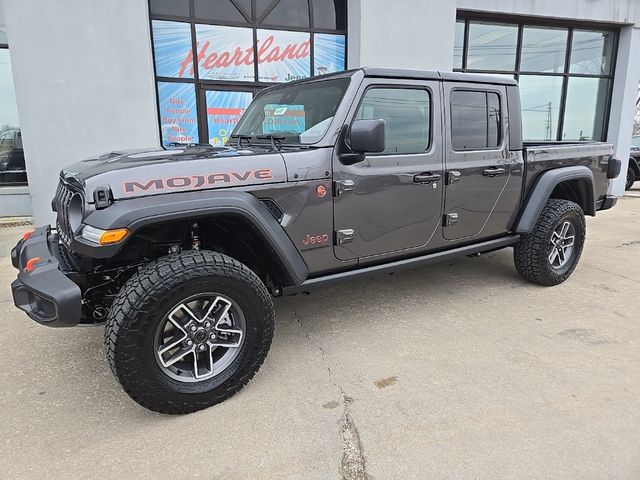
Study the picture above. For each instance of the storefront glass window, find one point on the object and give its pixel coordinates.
(543, 49)
(492, 46)
(561, 100)
(591, 52)
(206, 48)
(12, 166)
(224, 109)
(586, 103)
(540, 98)
(458, 44)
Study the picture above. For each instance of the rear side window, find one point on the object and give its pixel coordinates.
(406, 112)
(476, 122)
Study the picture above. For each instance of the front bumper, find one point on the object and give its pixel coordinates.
(45, 294)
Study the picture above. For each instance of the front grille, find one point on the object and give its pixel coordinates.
(62, 200)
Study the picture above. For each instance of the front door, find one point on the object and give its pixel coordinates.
(477, 164)
(392, 201)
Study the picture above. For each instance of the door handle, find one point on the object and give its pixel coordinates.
(493, 172)
(426, 178)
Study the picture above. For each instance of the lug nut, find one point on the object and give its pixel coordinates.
(212, 336)
(193, 328)
(207, 324)
(201, 347)
(189, 342)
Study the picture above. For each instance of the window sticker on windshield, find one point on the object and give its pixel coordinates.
(284, 119)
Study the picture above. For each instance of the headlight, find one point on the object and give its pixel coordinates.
(104, 237)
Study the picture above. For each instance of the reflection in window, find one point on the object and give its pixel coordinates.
(540, 97)
(591, 52)
(289, 13)
(543, 49)
(458, 44)
(475, 120)
(331, 14)
(220, 10)
(175, 8)
(406, 114)
(12, 165)
(586, 108)
(492, 46)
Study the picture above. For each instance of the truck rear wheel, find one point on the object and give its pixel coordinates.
(549, 254)
(188, 331)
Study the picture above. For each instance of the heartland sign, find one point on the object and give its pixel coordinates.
(268, 52)
(227, 53)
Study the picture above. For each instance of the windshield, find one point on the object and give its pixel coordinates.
(296, 114)
(635, 141)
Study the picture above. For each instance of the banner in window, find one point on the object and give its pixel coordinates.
(223, 113)
(224, 53)
(281, 118)
(171, 45)
(283, 56)
(178, 116)
(328, 53)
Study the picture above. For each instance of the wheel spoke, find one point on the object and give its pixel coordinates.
(565, 229)
(172, 343)
(561, 256)
(204, 359)
(227, 337)
(553, 255)
(568, 241)
(177, 356)
(186, 319)
(217, 310)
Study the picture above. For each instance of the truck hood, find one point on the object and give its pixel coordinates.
(135, 173)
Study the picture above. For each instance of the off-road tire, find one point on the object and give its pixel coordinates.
(531, 253)
(631, 178)
(146, 299)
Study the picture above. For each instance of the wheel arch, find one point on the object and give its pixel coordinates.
(214, 211)
(568, 183)
(635, 166)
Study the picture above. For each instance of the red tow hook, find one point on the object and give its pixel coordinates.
(27, 234)
(31, 263)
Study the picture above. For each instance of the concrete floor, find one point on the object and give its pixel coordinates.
(461, 370)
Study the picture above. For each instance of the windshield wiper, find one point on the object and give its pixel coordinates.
(240, 138)
(276, 140)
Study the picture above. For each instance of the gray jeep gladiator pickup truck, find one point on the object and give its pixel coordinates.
(180, 250)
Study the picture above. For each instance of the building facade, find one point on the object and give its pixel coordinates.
(80, 77)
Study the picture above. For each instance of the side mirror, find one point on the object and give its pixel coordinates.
(367, 136)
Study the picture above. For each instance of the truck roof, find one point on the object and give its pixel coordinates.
(436, 75)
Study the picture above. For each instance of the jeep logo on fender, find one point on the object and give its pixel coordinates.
(196, 181)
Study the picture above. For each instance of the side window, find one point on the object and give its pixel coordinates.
(476, 121)
(406, 112)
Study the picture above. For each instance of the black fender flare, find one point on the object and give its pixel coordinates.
(137, 213)
(544, 186)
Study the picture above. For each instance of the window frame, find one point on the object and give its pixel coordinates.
(425, 88)
(503, 135)
(254, 23)
(468, 16)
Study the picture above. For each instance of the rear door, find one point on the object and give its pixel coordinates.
(392, 201)
(477, 164)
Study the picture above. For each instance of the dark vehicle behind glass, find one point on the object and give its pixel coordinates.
(180, 250)
(12, 166)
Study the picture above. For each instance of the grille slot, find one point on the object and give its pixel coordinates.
(63, 198)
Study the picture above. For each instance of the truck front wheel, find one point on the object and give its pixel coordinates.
(549, 254)
(188, 331)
